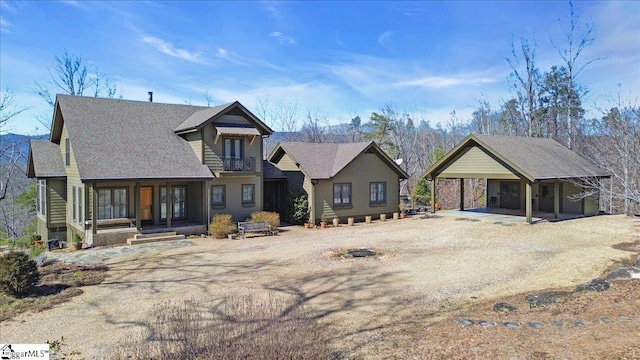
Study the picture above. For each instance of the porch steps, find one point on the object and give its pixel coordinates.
(157, 237)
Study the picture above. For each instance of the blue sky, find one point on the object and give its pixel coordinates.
(335, 59)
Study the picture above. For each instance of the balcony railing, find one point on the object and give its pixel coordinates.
(239, 165)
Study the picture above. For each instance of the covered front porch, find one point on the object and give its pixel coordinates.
(128, 208)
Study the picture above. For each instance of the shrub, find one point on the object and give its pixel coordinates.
(221, 225)
(18, 273)
(272, 218)
(241, 327)
(296, 208)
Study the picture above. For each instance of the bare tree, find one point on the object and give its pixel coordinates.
(9, 154)
(525, 84)
(577, 38)
(70, 75)
(280, 115)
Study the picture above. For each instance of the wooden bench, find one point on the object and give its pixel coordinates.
(254, 226)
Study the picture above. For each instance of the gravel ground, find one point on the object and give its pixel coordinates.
(433, 266)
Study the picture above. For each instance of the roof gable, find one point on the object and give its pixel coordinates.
(325, 160)
(122, 139)
(45, 160)
(528, 158)
(202, 118)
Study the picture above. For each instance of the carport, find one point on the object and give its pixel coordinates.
(522, 174)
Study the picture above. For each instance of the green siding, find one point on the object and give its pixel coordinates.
(286, 163)
(57, 202)
(475, 163)
(195, 141)
(234, 206)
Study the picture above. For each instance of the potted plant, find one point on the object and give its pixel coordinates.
(77, 242)
(350, 221)
(401, 206)
(323, 221)
(367, 219)
(336, 222)
(383, 217)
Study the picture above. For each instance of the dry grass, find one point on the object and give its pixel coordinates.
(59, 283)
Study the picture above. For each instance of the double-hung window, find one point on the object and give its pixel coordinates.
(179, 197)
(342, 194)
(41, 194)
(112, 203)
(74, 203)
(218, 196)
(248, 194)
(67, 152)
(377, 193)
(80, 213)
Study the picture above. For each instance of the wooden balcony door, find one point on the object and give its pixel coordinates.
(146, 204)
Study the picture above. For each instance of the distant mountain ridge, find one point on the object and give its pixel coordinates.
(19, 143)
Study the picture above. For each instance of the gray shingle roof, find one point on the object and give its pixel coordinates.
(46, 159)
(122, 139)
(535, 158)
(200, 116)
(270, 171)
(204, 116)
(325, 160)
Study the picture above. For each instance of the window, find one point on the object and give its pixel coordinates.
(74, 203)
(80, 213)
(67, 152)
(41, 193)
(179, 197)
(218, 197)
(233, 160)
(341, 194)
(112, 203)
(248, 193)
(378, 192)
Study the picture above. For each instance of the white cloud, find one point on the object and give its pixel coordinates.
(167, 48)
(271, 8)
(243, 60)
(385, 39)
(281, 38)
(4, 25)
(438, 82)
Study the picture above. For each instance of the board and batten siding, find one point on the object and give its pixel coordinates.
(361, 172)
(475, 163)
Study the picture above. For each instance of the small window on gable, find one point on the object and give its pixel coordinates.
(67, 152)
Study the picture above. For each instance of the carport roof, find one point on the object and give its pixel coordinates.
(528, 158)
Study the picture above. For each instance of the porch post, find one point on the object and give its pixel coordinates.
(136, 203)
(169, 204)
(461, 194)
(556, 199)
(205, 202)
(94, 208)
(85, 206)
(528, 202)
(433, 195)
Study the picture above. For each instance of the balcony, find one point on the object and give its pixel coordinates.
(227, 164)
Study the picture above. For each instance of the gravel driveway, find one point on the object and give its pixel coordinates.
(434, 265)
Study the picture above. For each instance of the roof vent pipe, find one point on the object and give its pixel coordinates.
(150, 96)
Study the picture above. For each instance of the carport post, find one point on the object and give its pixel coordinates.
(461, 194)
(556, 199)
(528, 202)
(433, 195)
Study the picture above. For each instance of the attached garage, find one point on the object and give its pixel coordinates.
(522, 173)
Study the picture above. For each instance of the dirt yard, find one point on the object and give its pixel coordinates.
(433, 270)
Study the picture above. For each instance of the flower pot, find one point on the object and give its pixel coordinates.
(396, 216)
(403, 215)
(77, 246)
(307, 226)
(336, 222)
(350, 221)
(367, 219)
(231, 236)
(383, 217)
(323, 224)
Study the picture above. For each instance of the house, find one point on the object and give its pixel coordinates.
(115, 168)
(523, 173)
(341, 180)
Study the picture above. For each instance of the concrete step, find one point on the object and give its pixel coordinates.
(151, 235)
(154, 239)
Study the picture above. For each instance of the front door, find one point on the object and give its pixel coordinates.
(146, 204)
(510, 195)
(546, 197)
